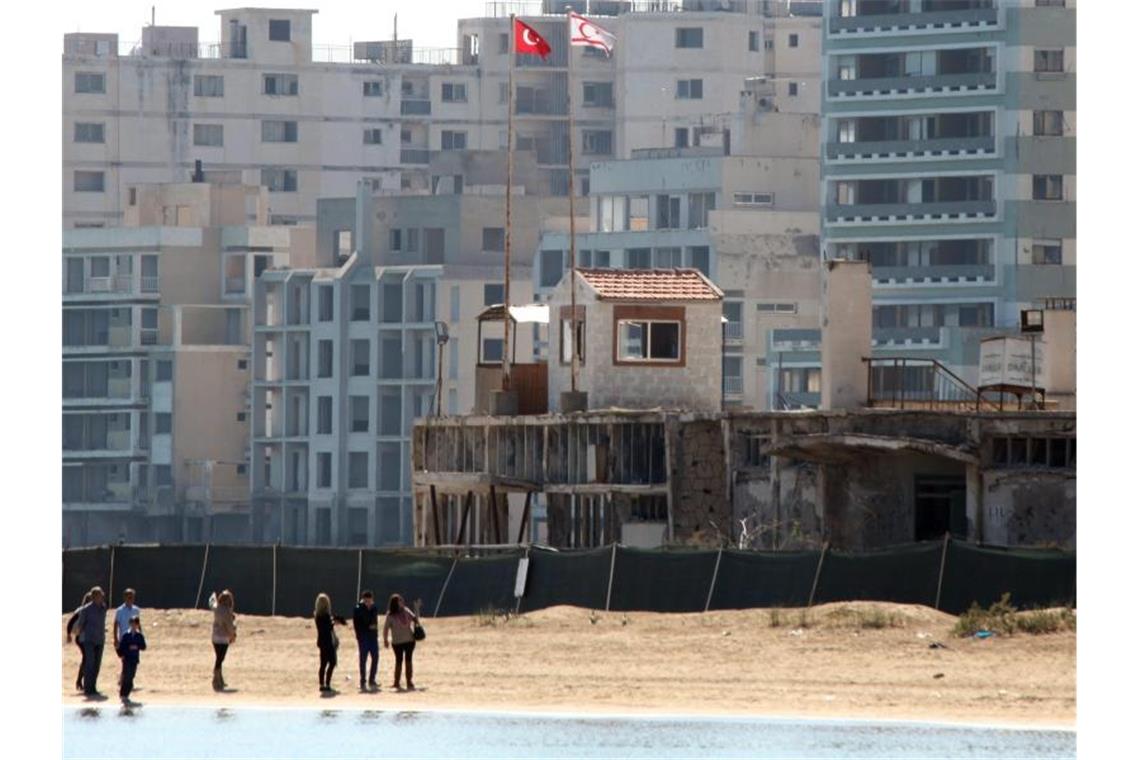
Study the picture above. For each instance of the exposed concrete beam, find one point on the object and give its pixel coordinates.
(824, 447)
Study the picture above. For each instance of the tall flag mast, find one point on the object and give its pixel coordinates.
(523, 39)
(582, 32)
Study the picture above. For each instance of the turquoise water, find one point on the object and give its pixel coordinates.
(198, 732)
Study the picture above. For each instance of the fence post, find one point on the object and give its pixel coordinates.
(447, 580)
(273, 599)
(818, 570)
(610, 585)
(359, 571)
(942, 570)
(202, 577)
(111, 579)
(712, 585)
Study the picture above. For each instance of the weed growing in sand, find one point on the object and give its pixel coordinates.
(876, 619)
(807, 620)
(491, 617)
(774, 619)
(1003, 618)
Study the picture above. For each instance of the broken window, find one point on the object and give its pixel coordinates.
(754, 455)
(566, 344)
(648, 508)
(644, 340)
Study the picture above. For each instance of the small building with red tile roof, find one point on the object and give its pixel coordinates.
(647, 338)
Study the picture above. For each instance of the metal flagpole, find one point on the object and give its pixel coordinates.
(511, 53)
(573, 242)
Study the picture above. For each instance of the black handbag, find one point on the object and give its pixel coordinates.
(418, 632)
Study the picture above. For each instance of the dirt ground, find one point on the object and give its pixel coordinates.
(570, 659)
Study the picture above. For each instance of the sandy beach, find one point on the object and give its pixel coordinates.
(570, 659)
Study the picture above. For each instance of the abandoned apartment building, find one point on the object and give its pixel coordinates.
(651, 459)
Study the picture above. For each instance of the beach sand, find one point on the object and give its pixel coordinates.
(566, 659)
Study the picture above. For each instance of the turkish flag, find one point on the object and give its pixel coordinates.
(527, 40)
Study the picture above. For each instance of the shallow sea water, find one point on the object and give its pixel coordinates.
(200, 732)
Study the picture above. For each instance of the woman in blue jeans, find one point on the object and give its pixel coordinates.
(400, 621)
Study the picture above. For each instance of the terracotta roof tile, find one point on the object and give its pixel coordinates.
(651, 285)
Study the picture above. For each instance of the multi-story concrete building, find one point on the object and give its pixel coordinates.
(155, 363)
(949, 163)
(268, 106)
(345, 358)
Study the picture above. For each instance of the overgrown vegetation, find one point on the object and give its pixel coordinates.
(491, 617)
(842, 617)
(1004, 619)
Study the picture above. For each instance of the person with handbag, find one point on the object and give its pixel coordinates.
(404, 626)
(223, 633)
(327, 641)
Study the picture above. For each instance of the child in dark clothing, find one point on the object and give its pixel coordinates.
(130, 645)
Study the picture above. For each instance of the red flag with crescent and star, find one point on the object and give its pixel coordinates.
(527, 40)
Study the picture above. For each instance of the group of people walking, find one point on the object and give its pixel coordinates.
(400, 628)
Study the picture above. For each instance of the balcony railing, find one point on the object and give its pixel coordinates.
(906, 336)
(937, 83)
(969, 20)
(734, 331)
(733, 385)
(946, 146)
(933, 274)
(886, 212)
(905, 383)
(415, 156)
(149, 284)
(415, 107)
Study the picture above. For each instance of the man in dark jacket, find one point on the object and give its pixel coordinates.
(364, 623)
(130, 644)
(92, 627)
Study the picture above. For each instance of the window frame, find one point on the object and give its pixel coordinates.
(648, 315)
(1043, 120)
(1046, 180)
(82, 127)
(274, 31)
(201, 130)
(90, 78)
(291, 84)
(1048, 60)
(684, 89)
(201, 91)
(453, 92)
(682, 38)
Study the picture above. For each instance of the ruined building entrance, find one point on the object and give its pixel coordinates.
(939, 506)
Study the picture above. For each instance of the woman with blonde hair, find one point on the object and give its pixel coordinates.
(327, 642)
(224, 632)
(73, 632)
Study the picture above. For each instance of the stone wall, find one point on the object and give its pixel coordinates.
(699, 504)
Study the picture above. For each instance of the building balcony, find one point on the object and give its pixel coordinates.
(911, 212)
(415, 107)
(798, 400)
(937, 84)
(912, 337)
(796, 339)
(733, 386)
(976, 20)
(947, 147)
(933, 275)
(733, 332)
(415, 156)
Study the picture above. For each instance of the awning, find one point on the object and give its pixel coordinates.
(523, 314)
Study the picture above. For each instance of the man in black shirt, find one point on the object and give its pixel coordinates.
(364, 623)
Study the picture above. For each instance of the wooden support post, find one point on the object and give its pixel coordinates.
(273, 599)
(942, 569)
(435, 517)
(359, 571)
(818, 570)
(610, 585)
(446, 581)
(523, 524)
(111, 579)
(463, 520)
(493, 508)
(202, 577)
(712, 583)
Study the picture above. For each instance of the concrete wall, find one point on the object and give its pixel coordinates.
(1030, 508)
(846, 329)
(694, 386)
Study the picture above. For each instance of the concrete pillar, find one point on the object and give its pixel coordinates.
(846, 332)
(362, 239)
(1060, 360)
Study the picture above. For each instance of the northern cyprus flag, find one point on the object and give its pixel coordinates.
(583, 31)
